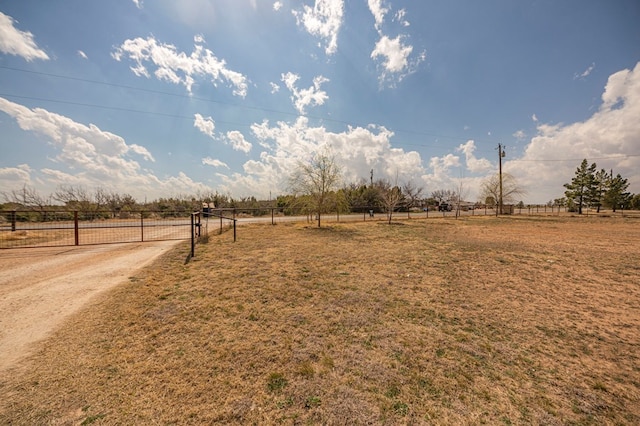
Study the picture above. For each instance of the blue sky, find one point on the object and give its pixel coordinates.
(164, 98)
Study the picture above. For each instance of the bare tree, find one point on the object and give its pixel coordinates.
(316, 179)
(72, 196)
(79, 198)
(443, 195)
(28, 197)
(510, 189)
(460, 194)
(391, 196)
(446, 199)
(412, 194)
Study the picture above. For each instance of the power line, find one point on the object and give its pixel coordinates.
(619, 156)
(82, 104)
(177, 116)
(184, 117)
(250, 107)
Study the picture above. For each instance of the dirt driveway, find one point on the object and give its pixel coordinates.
(39, 288)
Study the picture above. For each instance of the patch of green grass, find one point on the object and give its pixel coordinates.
(400, 408)
(392, 392)
(276, 382)
(312, 401)
(90, 419)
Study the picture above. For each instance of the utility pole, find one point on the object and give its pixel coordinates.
(372, 178)
(500, 155)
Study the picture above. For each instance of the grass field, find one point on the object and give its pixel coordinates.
(475, 321)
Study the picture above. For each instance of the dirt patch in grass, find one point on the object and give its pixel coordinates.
(485, 320)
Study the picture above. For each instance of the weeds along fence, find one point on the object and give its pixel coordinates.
(50, 228)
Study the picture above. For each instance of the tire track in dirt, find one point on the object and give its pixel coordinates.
(39, 288)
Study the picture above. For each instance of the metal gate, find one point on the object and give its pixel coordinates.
(52, 228)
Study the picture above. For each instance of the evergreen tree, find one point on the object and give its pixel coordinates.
(616, 196)
(601, 182)
(581, 188)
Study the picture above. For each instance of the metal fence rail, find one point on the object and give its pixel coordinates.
(50, 228)
(56, 227)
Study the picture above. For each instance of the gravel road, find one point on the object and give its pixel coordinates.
(39, 288)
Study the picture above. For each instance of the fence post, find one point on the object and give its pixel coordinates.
(193, 237)
(234, 230)
(75, 227)
(272, 216)
(13, 220)
(141, 226)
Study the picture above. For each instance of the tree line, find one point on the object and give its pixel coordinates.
(316, 187)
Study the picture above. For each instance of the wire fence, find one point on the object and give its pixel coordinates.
(51, 228)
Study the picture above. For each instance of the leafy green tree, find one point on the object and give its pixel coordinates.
(581, 189)
(635, 202)
(362, 197)
(616, 195)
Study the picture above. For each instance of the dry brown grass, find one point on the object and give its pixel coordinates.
(485, 320)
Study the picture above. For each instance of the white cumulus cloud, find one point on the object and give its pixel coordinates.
(395, 57)
(302, 98)
(214, 162)
(474, 164)
(608, 138)
(519, 135)
(358, 150)
(396, 62)
(18, 43)
(378, 11)
(205, 124)
(15, 177)
(399, 17)
(89, 156)
(178, 67)
(238, 142)
(323, 20)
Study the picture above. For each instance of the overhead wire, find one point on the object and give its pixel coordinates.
(250, 107)
(191, 97)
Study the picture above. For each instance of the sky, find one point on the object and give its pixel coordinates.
(160, 98)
